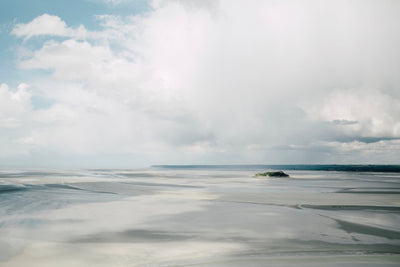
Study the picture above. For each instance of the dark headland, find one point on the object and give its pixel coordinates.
(272, 174)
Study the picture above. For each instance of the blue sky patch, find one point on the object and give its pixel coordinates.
(40, 102)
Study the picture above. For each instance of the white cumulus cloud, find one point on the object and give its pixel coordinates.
(14, 104)
(47, 25)
(15, 110)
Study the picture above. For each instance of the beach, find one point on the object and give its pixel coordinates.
(198, 217)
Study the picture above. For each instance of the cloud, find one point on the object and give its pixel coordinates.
(362, 152)
(344, 122)
(14, 104)
(70, 59)
(47, 25)
(360, 112)
(228, 82)
(15, 111)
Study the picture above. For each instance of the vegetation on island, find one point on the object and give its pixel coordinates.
(273, 174)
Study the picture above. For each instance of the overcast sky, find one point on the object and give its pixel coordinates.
(129, 83)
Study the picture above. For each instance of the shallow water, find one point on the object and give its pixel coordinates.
(198, 217)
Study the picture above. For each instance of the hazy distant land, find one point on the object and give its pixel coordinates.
(298, 167)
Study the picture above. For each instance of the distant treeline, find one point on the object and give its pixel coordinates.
(316, 167)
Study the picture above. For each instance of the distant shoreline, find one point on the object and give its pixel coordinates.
(294, 167)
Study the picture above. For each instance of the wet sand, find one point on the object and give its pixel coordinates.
(173, 217)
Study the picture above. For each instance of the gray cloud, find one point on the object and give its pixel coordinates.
(344, 122)
(226, 82)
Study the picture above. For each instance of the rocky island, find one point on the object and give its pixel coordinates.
(273, 174)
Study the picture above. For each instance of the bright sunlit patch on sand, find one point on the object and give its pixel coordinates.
(189, 217)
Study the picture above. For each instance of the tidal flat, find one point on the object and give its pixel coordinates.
(198, 217)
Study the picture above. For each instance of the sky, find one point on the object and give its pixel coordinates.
(132, 83)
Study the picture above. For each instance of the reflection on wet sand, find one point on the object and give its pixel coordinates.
(197, 218)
